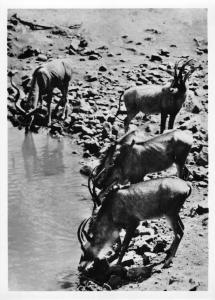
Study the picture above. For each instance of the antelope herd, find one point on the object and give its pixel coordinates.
(124, 199)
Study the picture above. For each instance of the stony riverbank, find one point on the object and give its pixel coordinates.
(106, 62)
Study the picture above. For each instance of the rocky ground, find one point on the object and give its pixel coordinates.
(111, 51)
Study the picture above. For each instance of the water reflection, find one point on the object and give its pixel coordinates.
(44, 210)
(52, 157)
(48, 162)
(29, 153)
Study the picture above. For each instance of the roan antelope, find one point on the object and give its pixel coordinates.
(53, 74)
(125, 208)
(132, 157)
(152, 99)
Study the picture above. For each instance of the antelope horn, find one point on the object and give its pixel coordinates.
(187, 76)
(182, 68)
(17, 96)
(84, 233)
(175, 73)
(93, 193)
(97, 175)
(89, 186)
(80, 234)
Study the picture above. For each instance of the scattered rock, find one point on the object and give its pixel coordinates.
(103, 68)
(42, 57)
(164, 52)
(74, 45)
(199, 174)
(200, 210)
(173, 279)
(154, 31)
(93, 57)
(155, 57)
(127, 262)
(92, 146)
(205, 222)
(160, 246)
(193, 104)
(139, 273)
(142, 247)
(90, 77)
(202, 157)
(56, 128)
(194, 288)
(27, 51)
(87, 130)
(72, 52)
(83, 43)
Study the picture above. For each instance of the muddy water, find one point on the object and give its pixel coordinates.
(46, 203)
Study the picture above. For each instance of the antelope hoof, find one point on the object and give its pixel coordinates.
(167, 263)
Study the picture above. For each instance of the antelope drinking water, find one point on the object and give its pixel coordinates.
(53, 74)
(125, 208)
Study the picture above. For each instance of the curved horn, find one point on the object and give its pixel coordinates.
(182, 68)
(17, 96)
(94, 195)
(81, 233)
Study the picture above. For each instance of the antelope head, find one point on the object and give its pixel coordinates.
(92, 243)
(20, 103)
(181, 75)
(85, 241)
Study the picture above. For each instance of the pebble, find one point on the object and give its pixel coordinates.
(42, 57)
(103, 68)
(155, 57)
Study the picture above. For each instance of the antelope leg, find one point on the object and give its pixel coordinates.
(128, 236)
(178, 228)
(65, 109)
(49, 100)
(171, 121)
(163, 122)
(128, 119)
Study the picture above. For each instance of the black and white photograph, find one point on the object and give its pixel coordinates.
(107, 149)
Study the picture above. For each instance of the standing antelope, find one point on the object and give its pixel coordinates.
(125, 208)
(132, 157)
(54, 74)
(152, 99)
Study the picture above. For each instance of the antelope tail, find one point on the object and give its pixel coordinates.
(118, 111)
